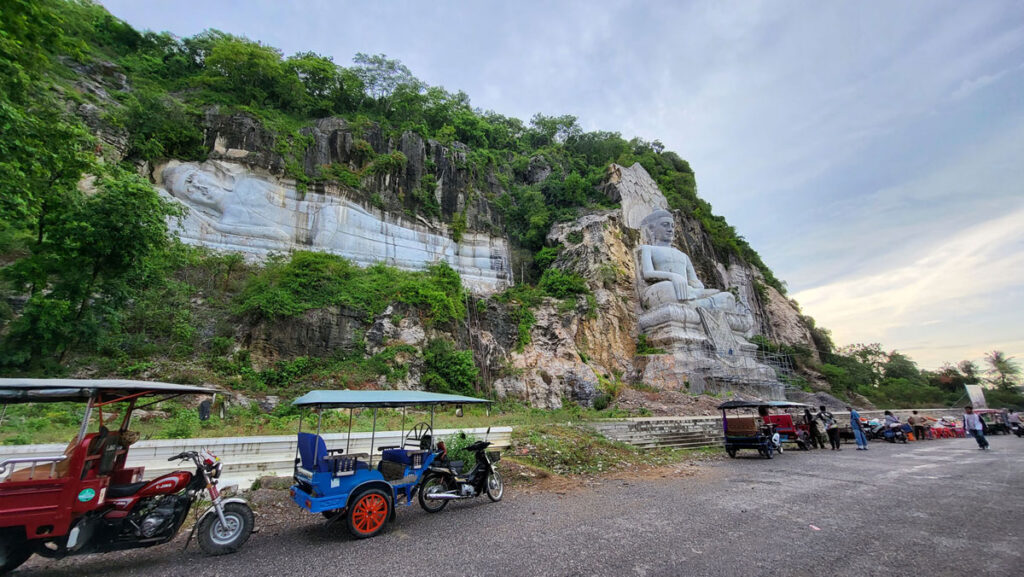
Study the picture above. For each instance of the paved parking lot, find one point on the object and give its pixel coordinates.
(931, 508)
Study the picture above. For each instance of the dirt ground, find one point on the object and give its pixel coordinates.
(668, 403)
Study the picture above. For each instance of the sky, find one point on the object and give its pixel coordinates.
(872, 153)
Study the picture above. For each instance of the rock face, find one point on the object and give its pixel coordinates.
(636, 190)
(603, 249)
(574, 346)
(316, 333)
(604, 257)
(550, 368)
(459, 189)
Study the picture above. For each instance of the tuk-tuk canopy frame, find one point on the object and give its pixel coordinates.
(13, 391)
(348, 399)
(94, 392)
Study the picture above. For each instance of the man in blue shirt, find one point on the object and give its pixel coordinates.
(858, 433)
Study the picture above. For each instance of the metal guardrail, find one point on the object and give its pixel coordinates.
(248, 458)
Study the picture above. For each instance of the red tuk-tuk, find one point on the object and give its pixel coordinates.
(86, 500)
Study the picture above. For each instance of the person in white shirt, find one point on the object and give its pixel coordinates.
(973, 426)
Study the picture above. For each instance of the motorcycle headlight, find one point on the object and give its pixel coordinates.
(217, 470)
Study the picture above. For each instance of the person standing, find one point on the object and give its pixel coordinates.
(917, 422)
(831, 427)
(812, 429)
(974, 426)
(858, 433)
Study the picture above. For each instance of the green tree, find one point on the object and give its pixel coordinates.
(382, 76)
(1003, 371)
(249, 73)
(44, 155)
(159, 126)
(970, 371)
(329, 88)
(27, 29)
(546, 130)
(86, 262)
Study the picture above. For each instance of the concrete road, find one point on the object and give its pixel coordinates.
(930, 508)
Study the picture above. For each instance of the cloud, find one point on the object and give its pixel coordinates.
(965, 276)
(972, 85)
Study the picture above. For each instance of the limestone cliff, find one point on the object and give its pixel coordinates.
(572, 346)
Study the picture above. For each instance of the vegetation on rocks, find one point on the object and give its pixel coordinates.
(312, 280)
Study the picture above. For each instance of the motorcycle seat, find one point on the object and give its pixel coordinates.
(124, 490)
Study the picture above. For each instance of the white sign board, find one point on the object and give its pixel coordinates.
(977, 396)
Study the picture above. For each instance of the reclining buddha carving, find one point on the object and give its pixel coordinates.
(236, 210)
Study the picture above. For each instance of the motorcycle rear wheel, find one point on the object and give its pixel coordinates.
(215, 538)
(495, 487)
(433, 482)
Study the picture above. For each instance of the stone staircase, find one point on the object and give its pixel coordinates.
(654, 432)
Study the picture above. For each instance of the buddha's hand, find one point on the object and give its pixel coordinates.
(681, 286)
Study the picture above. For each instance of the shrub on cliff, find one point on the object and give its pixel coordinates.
(447, 370)
(561, 284)
(310, 280)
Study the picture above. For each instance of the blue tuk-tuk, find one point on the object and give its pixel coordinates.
(364, 488)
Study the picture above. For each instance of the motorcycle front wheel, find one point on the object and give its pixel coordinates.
(216, 538)
(433, 483)
(495, 487)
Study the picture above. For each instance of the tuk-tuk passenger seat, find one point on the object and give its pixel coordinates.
(742, 426)
(315, 457)
(313, 453)
(411, 457)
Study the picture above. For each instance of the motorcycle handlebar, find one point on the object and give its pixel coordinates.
(183, 455)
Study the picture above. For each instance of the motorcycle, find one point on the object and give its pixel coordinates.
(895, 433)
(874, 430)
(443, 482)
(1017, 429)
(151, 513)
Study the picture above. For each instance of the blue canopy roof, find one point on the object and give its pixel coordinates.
(329, 399)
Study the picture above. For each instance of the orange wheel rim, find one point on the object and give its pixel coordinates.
(370, 513)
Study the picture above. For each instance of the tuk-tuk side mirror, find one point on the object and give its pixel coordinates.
(458, 410)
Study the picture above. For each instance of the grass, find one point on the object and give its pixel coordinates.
(565, 449)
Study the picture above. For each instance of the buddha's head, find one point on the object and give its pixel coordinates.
(659, 228)
(188, 182)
